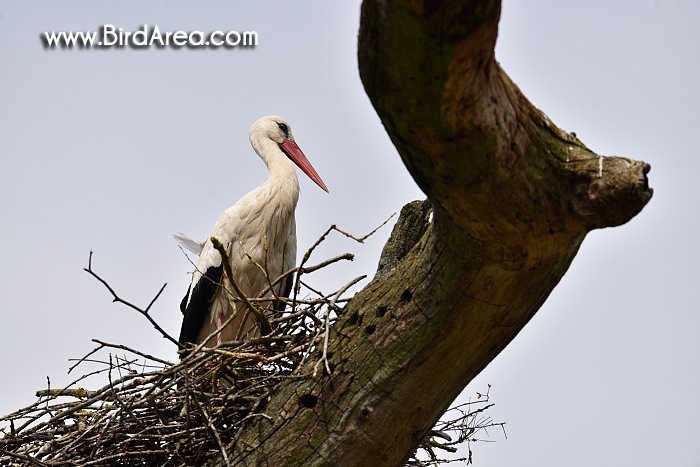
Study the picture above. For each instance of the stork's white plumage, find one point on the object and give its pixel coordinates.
(189, 243)
(260, 226)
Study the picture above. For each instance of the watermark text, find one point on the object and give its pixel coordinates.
(109, 36)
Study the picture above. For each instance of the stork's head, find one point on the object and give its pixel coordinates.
(277, 129)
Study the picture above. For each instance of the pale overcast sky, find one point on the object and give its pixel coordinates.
(114, 150)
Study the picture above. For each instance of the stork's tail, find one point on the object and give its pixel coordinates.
(190, 244)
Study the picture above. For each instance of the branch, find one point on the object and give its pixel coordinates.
(301, 269)
(264, 323)
(21, 457)
(143, 312)
(327, 321)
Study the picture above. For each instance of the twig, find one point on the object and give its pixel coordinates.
(362, 239)
(29, 459)
(134, 351)
(323, 236)
(308, 269)
(326, 319)
(130, 305)
(323, 264)
(344, 289)
(265, 328)
(214, 432)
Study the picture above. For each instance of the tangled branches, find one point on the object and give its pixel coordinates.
(155, 412)
(461, 424)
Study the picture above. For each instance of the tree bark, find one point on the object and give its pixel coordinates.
(513, 197)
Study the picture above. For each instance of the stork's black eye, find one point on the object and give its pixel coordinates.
(284, 128)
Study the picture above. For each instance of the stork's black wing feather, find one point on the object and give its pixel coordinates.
(279, 305)
(196, 310)
(183, 303)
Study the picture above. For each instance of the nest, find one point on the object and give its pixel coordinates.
(153, 412)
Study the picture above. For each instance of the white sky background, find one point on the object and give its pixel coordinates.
(114, 150)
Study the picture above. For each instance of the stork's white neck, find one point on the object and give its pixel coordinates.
(283, 180)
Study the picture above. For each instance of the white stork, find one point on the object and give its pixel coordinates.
(260, 226)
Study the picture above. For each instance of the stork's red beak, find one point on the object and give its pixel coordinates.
(294, 152)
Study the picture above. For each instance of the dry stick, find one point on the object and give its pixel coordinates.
(327, 331)
(287, 353)
(85, 358)
(23, 457)
(296, 314)
(270, 285)
(241, 355)
(262, 319)
(304, 270)
(317, 292)
(121, 455)
(305, 258)
(122, 405)
(254, 341)
(130, 305)
(344, 289)
(308, 269)
(308, 353)
(323, 264)
(78, 393)
(102, 433)
(96, 349)
(100, 438)
(319, 322)
(362, 239)
(465, 425)
(307, 255)
(134, 351)
(259, 357)
(301, 269)
(214, 432)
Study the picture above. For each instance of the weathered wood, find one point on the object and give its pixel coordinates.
(513, 197)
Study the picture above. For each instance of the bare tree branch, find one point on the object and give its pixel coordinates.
(143, 312)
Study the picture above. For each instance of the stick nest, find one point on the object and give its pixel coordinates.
(153, 414)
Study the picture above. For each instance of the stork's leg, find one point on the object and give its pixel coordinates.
(219, 324)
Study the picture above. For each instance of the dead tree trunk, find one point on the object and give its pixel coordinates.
(513, 197)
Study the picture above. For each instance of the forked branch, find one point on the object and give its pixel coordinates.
(142, 311)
